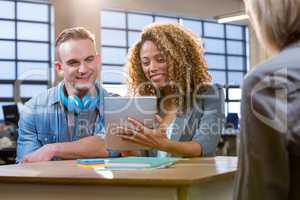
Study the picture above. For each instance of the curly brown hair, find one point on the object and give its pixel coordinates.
(187, 68)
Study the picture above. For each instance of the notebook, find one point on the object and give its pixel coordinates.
(128, 163)
(140, 163)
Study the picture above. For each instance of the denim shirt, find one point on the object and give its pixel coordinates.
(203, 124)
(44, 120)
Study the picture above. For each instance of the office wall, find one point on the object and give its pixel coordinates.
(70, 13)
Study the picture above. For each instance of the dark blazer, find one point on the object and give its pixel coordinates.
(269, 157)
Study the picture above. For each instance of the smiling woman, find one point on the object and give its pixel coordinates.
(154, 64)
(167, 61)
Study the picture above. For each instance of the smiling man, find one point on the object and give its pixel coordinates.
(66, 122)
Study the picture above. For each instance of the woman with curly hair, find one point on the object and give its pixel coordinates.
(167, 61)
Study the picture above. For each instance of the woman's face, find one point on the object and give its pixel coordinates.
(154, 64)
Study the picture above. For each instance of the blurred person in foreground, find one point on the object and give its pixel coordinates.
(269, 157)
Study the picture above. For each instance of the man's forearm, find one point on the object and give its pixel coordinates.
(92, 146)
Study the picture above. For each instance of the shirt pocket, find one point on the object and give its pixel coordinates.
(46, 139)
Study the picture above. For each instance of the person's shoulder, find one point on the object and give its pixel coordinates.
(38, 103)
(43, 98)
(280, 69)
(103, 91)
(214, 90)
(286, 59)
(108, 94)
(259, 72)
(210, 98)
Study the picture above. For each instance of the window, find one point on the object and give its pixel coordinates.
(25, 49)
(226, 49)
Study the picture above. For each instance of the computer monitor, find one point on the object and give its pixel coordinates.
(11, 114)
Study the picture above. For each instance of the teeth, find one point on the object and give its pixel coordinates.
(156, 75)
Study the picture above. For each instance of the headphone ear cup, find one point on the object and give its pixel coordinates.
(64, 99)
(74, 104)
(89, 102)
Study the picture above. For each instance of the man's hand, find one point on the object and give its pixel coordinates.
(45, 153)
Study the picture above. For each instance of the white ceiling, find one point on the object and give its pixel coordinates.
(189, 8)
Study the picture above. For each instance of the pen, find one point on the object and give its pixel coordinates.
(91, 161)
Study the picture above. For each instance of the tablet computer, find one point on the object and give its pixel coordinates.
(116, 112)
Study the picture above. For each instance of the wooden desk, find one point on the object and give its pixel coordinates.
(199, 178)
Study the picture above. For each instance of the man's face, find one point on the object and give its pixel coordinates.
(79, 63)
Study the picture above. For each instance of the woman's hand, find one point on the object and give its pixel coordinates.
(142, 135)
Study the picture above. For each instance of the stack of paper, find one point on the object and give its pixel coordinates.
(129, 163)
(91, 163)
(136, 163)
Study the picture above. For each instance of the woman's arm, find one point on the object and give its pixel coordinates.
(207, 121)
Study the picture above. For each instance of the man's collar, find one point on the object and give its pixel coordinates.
(55, 97)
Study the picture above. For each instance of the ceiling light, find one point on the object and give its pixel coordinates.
(237, 16)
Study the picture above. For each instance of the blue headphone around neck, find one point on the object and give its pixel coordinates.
(75, 104)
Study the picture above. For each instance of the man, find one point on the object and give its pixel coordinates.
(66, 122)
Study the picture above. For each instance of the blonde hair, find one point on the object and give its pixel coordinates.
(279, 21)
(75, 33)
(187, 68)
